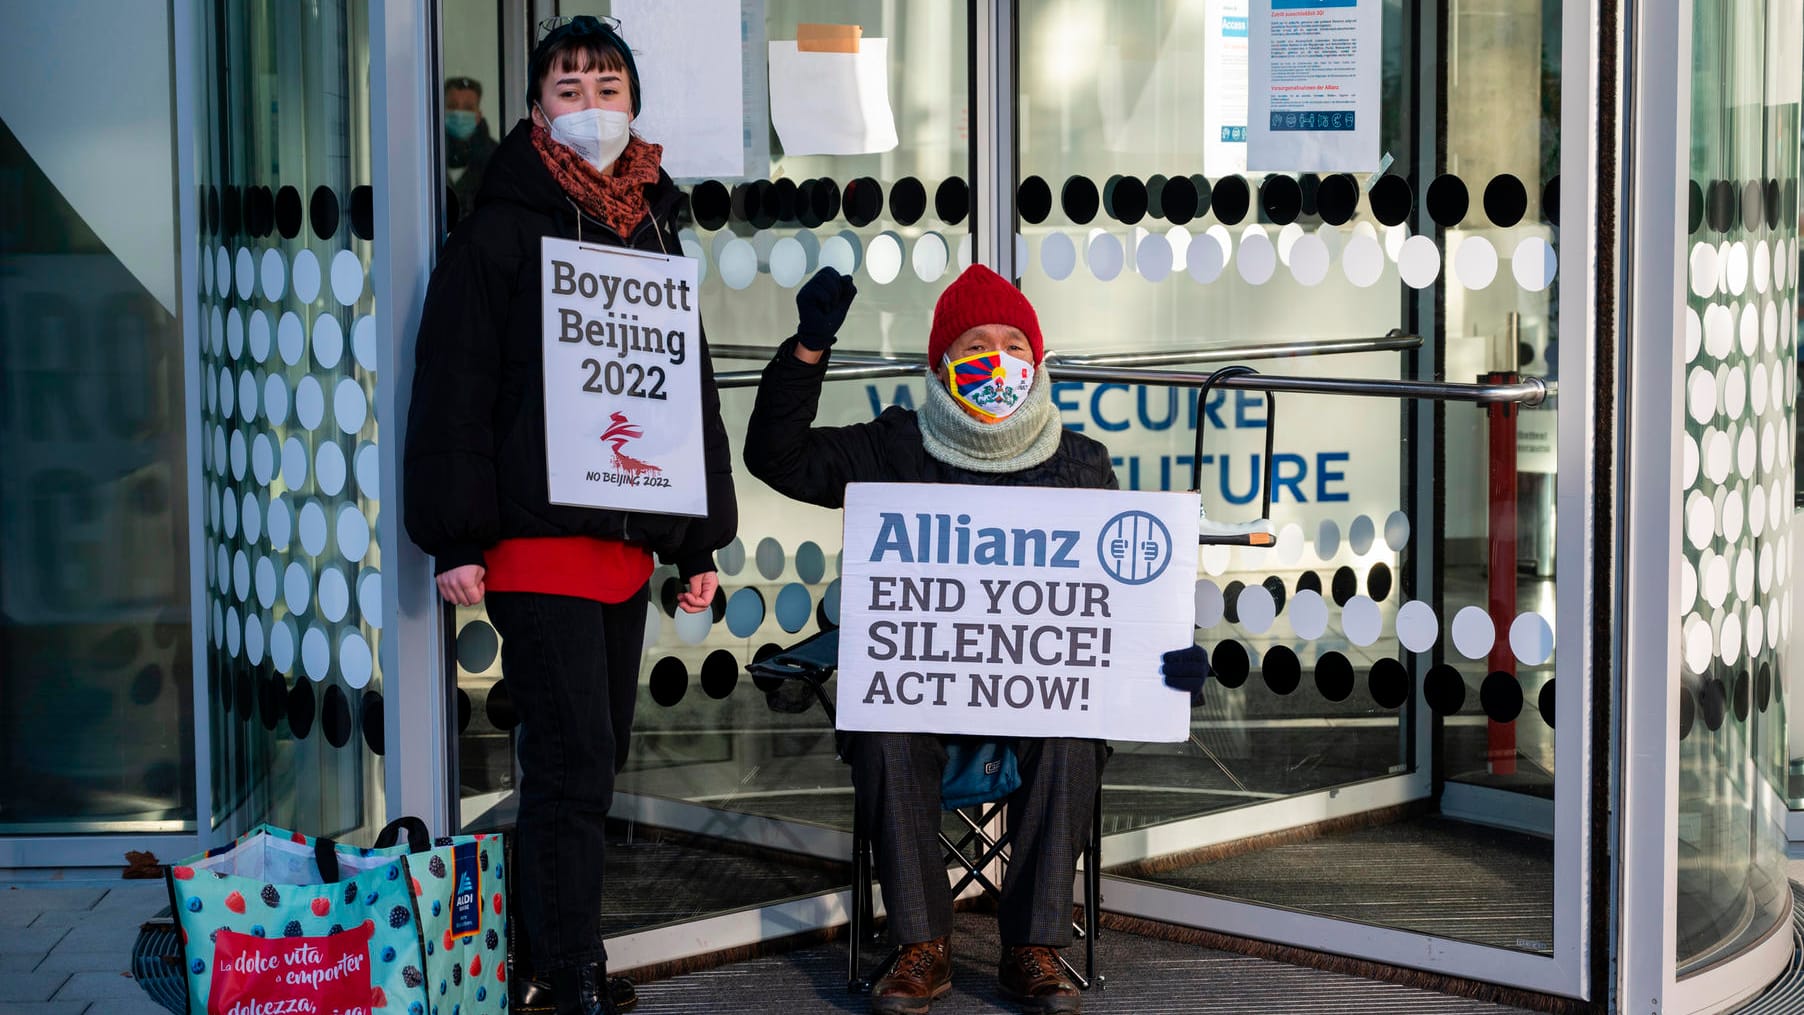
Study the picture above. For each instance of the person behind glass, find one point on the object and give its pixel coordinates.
(564, 586)
(1005, 433)
(468, 143)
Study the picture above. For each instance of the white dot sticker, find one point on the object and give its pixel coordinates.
(1209, 604)
(347, 278)
(363, 341)
(1104, 255)
(1257, 260)
(252, 510)
(1308, 614)
(1531, 639)
(1700, 520)
(263, 460)
(306, 276)
(1719, 330)
(738, 262)
(1215, 559)
(1700, 395)
(257, 336)
(1417, 627)
(1256, 609)
(281, 646)
(354, 661)
(1396, 530)
(275, 400)
(692, 628)
(1290, 544)
(1309, 260)
(334, 596)
(369, 597)
(222, 272)
(369, 471)
(1534, 264)
(1419, 262)
(328, 341)
(1208, 255)
(353, 532)
(1361, 621)
(1763, 266)
(253, 639)
(1703, 270)
(309, 403)
(883, 258)
(1153, 257)
(1736, 268)
(931, 255)
(788, 262)
(291, 338)
(349, 405)
(1058, 256)
(1363, 261)
(1694, 334)
(329, 468)
(1475, 262)
(280, 523)
(297, 589)
(234, 333)
(316, 654)
(275, 276)
(1361, 534)
(1473, 632)
(247, 274)
(294, 463)
(1327, 539)
(312, 528)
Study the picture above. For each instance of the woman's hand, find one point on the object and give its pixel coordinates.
(462, 586)
(700, 594)
(821, 307)
(1186, 669)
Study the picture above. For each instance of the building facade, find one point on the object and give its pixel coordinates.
(1507, 702)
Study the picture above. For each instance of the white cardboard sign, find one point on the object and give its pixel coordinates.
(1015, 611)
(623, 420)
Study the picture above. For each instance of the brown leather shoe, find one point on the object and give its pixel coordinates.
(1032, 976)
(922, 972)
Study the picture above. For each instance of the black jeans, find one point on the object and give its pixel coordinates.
(572, 666)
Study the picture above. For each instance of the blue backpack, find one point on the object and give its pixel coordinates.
(977, 771)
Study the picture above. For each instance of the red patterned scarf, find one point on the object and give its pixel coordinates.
(618, 200)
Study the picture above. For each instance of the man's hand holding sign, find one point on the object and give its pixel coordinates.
(996, 621)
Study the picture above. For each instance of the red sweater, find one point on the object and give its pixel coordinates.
(605, 570)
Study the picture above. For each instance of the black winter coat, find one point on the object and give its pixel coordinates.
(814, 464)
(475, 454)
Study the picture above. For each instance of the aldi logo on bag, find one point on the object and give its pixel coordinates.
(466, 904)
(292, 975)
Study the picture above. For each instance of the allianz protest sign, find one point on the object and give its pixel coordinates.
(623, 416)
(1015, 611)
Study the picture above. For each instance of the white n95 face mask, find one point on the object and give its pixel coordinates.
(598, 135)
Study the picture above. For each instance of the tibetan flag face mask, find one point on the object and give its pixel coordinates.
(991, 384)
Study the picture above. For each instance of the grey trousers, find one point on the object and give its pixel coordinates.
(896, 783)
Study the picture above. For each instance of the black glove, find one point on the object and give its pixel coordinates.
(1187, 669)
(821, 307)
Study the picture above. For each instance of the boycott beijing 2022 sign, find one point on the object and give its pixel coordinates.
(623, 418)
(1015, 611)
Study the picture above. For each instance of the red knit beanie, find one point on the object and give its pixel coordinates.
(977, 297)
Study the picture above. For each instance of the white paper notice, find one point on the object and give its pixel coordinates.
(832, 103)
(689, 67)
(996, 618)
(1225, 88)
(623, 389)
(1314, 86)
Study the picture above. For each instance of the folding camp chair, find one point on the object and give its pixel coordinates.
(812, 662)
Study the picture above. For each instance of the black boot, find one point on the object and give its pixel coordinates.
(579, 991)
(533, 996)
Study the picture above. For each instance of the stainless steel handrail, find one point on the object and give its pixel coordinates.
(1396, 341)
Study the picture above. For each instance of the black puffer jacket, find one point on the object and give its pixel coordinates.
(475, 459)
(814, 464)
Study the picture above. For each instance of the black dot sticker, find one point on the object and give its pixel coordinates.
(1719, 205)
(1388, 683)
(667, 595)
(907, 201)
(765, 651)
(669, 681)
(1713, 703)
(1550, 201)
(1334, 676)
(1763, 686)
(1204, 193)
(374, 733)
(1744, 696)
(1545, 702)
(1506, 200)
(826, 199)
(761, 205)
(780, 200)
(1079, 199)
(1501, 696)
(147, 685)
(863, 201)
(477, 644)
(821, 619)
(500, 706)
(1448, 200)
(717, 607)
(262, 211)
(1281, 669)
(212, 211)
(1770, 201)
(221, 688)
(1230, 601)
(322, 211)
(1281, 199)
(1346, 585)
(805, 205)
(1337, 199)
(1694, 206)
(1752, 212)
(363, 212)
(335, 716)
(1391, 199)
(1125, 198)
(231, 211)
(952, 201)
(711, 204)
(1791, 210)
(272, 700)
(720, 671)
(1444, 690)
(1378, 582)
(1231, 663)
(1033, 199)
(1688, 712)
(1309, 581)
(1231, 200)
(1275, 586)
(1178, 200)
(301, 709)
(1309, 184)
(244, 691)
(1155, 195)
(463, 710)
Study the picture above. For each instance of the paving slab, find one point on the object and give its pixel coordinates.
(30, 940)
(53, 1008)
(31, 986)
(100, 987)
(20, 962)
(40, 897)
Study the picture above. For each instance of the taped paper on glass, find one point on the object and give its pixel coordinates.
(1225, 88)
(992, 618)
(1313, 87)
(832, 103)
(689, 59)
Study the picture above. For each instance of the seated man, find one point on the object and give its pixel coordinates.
(990, 423)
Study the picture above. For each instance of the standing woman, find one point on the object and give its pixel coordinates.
(565, 586)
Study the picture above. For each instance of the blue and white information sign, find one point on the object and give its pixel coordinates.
(1015, 611)
(1313, 85)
